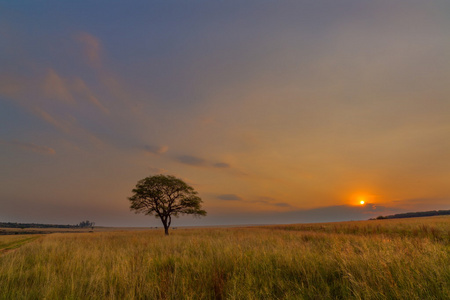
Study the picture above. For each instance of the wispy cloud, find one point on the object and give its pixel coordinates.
(80, 87)
(271, 201)
(153, 149)
(30, 147)
(338, 213)
(229, 197)
(281, 204)
(196, 161)
(192, 160)
(91, 47)
(69, 126)
(92, 51)
(61, 125)
(261, 200)
(56, 87)
(70, 90)
(221, 165)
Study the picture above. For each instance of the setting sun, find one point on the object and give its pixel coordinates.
(362, 202)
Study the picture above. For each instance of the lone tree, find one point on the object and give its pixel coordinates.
(165, 197)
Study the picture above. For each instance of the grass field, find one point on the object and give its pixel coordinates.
(385, 259)
(13, 241)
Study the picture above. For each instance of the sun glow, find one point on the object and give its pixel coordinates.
(361, 199)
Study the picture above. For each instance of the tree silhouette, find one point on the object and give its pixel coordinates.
(165, 196)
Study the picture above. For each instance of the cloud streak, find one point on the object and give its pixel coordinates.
(221, 165)
(191, 160)
(157, 150)
(196, 161)
(337, 213)
(30, 147)
(229, 197)
(55, 87)
(260, 200)
(70, 90)
(91, 47)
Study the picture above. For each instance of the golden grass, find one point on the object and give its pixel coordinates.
(14, 241)
(323, 261)
(437, 228)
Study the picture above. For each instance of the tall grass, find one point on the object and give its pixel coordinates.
(10, 242)
(436, 228)
(235, 263)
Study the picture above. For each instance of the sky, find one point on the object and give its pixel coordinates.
(274, 111)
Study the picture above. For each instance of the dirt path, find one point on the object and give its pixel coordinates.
(8, 246)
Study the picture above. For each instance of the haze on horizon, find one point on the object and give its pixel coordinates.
(274, 111)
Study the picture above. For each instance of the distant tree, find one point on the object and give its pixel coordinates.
(165, 196)
(85, 224)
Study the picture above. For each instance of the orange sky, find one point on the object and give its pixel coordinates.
(276, 112)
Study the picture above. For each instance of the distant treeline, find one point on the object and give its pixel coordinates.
(416, 214)
(82, 224)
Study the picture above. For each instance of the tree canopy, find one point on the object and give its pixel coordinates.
(165, 196)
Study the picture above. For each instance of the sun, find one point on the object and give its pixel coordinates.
(361, 199)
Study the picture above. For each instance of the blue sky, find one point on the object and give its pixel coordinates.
(274, 111)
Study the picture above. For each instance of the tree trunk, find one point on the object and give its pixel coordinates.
(166, 229)
(165, 223)
(166, 226)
